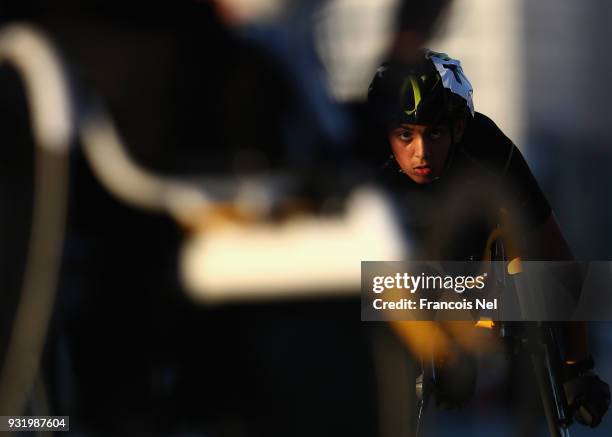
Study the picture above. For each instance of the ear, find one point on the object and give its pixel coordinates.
(458, 129)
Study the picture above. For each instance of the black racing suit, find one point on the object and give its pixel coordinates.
(451, 218)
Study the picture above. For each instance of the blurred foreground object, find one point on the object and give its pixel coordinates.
(165, 142)
(28, 52)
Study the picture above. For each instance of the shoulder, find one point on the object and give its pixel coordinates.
(486, 148)
(485, 145)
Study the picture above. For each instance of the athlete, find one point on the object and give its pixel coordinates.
(458, 177)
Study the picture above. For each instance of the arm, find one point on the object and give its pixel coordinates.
(546, 242)
(587, 396)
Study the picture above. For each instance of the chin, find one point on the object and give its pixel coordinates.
(422, 180)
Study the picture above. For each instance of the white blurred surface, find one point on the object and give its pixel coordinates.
(305, 257)
(352, 37)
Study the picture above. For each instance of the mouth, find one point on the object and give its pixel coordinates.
(422, 170)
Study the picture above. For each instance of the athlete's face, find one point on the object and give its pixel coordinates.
(421, 151)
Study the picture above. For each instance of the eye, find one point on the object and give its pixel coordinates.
(435, 134)
(405, 135)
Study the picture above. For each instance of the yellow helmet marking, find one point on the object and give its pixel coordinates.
(416, 91)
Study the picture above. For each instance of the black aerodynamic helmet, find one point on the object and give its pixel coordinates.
(428, 91)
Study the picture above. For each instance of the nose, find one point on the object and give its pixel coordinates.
(421, 148)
